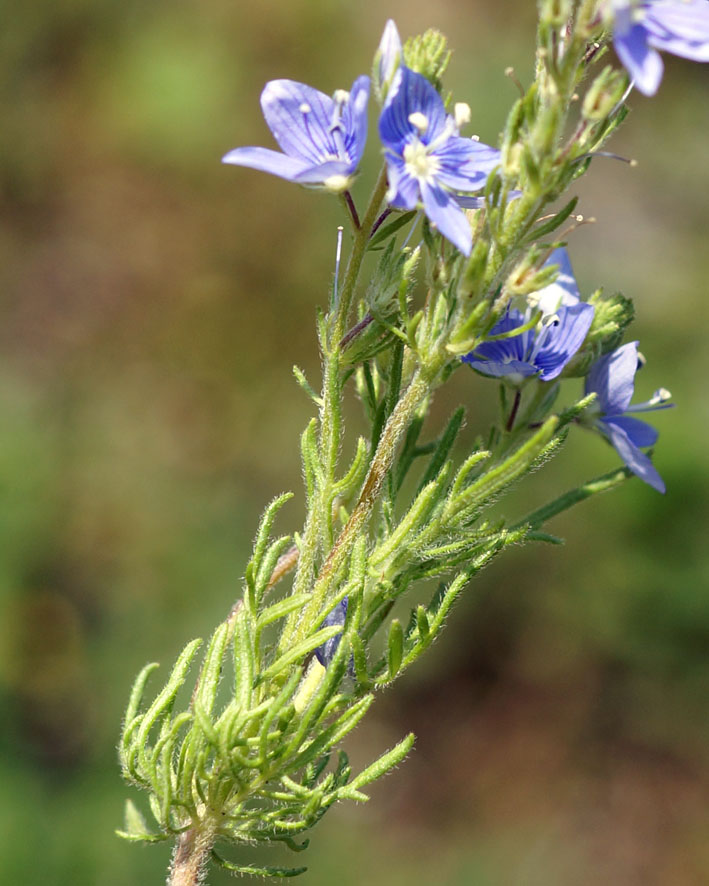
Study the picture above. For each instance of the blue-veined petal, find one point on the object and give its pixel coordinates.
(354, 119)
(448, 217)
(641, 61)
(410, 93)
(679, 28)
(267, 160)
(403, 190)
(465, 164)
(564, 339)
(612, 378)
(300, 118)
(636, 460)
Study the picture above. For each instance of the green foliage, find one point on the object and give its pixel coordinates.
(256, 758)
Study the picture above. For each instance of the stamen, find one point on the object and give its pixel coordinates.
(419, 121)
(304, 108)
(547, 324)
(461, 114)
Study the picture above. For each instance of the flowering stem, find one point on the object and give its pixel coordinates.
(352, 209)
(419, 389)
(513, 412)
(359, 247)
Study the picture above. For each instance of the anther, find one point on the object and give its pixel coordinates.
(461, 113)
(419, 121)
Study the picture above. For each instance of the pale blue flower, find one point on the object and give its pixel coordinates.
(612, 379)
(322, 138)
(545, 349)
(642, 27)
(427, 160)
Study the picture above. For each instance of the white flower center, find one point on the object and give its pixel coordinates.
(419, 163)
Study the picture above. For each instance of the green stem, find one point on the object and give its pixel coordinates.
(319, 519)
(359, 247)
(418, 390)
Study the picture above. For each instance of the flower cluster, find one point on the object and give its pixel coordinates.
(429, 164)
(432, 168)
(518, 350)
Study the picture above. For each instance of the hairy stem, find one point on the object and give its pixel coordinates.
(399, 420)
(189, 860)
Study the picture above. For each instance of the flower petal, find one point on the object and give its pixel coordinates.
(266, 161)
(314, 175)
(404, 191)
(564, 290)
(613, 379)
(679, 28)
(299, 118)
(636, 460)
(410, 93)
(448, 217)
(640, 60)
(564, 340)
(640, 433)
(465, 164)
(497, 369)
(504, 350)
(354, 118)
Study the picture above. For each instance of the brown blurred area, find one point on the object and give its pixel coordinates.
(153, 303)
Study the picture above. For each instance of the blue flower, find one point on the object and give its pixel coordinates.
(544, 350)
(641, 27)
(612, 379)
(336, 616)
(427, 161)
(322, 138)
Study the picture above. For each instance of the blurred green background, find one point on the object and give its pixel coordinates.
(153, 302)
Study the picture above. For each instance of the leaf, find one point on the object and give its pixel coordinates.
(395, 648)
(300, 650)
(387, 230)
(282, 608)
(255, 871)
(383, 765)
(166, 699)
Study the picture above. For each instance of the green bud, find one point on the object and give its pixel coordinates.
(554, 12)
(428, 55)
(605, 93)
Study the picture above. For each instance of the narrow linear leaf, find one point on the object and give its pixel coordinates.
(282, 608)
(384, 764)
(387, 230)
(300, 650)
(166, 698)
(255, 871)
(443, 447)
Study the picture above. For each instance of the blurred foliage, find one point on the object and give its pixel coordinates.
(153, 302)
